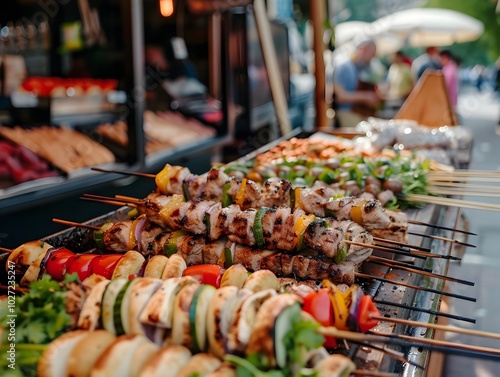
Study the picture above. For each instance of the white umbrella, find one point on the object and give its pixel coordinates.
(422, 27)
(348, 34)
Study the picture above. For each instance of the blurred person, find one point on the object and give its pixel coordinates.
(480, 75)
(450, 72)
(354, 100)
(399, 79)
(156, 65)
(497, 77)
(428, 60)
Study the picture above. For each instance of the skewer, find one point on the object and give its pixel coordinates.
(125, 200)
(452, 202)
(409, 252)
(431, 179)
(465, 186)
(75, 224)
(400, 251)
(458, 192)
(6, 250)
(442, 239)
(430, 274)
(403, 244)
(396, 264)
(416, 222)
(137, 174)
(399, 356)
(459, 330)
(374, 373)
(417, 287)
(458, 172)
(423, 310)
(408, 341)
(107, 201)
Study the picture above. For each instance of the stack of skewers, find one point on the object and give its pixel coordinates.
(307, 236)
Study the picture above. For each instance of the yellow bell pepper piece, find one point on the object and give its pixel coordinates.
(298, 202)
(175, 202)
(340, 309)
(162, 179)
(300, 227)
(357, 212)
(240, 196)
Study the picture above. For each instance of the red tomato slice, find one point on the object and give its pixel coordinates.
(366, 309)
(82, 265)
(104, 265)
(318, 305)
(205, 273)
(58, 263)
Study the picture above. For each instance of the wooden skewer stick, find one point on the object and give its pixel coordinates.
(416, 222)
(416, 287)
(465, 186)
(130, 199)
(391, 250)
(459, 192)
(442, 239)
(72, 223)
(452, 202)
(404, 244)
(471, 172)
(400, 251)
(6, 250)
(138, 174)
(393, 354)
(375, 373)
(106, 201)
(380, 337)
(488, 350)
(435, 326)
(396, 264)
(424, 310)
(430, 274)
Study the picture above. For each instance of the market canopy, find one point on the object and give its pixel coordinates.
(350, 33)
(423, 27)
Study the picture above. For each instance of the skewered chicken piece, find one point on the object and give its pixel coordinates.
(320, 201)
(194, 249)
(270, 228)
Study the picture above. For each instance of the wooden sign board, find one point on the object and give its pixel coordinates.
(429, 103)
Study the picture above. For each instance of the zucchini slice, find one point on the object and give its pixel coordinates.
(198, 316)
(108, 303)
(120, 313)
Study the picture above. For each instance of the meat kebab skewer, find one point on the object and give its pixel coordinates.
(195, 250)
(251, 226)
(211, 186)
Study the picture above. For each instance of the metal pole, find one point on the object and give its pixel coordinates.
(133, 36)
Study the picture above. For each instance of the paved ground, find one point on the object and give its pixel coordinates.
(479, 112)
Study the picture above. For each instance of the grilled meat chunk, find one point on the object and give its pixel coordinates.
(215, 182)
(276, 194)
(299, 266)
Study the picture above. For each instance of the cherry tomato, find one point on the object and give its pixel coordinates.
(82, 265)
(104, 265)
(58, 263)
(205, 273)
(366, 309)
(319, 305)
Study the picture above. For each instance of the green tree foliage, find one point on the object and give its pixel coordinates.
(487, 48)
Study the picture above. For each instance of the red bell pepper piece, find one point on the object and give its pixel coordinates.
(367, 309)
(206, 273)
